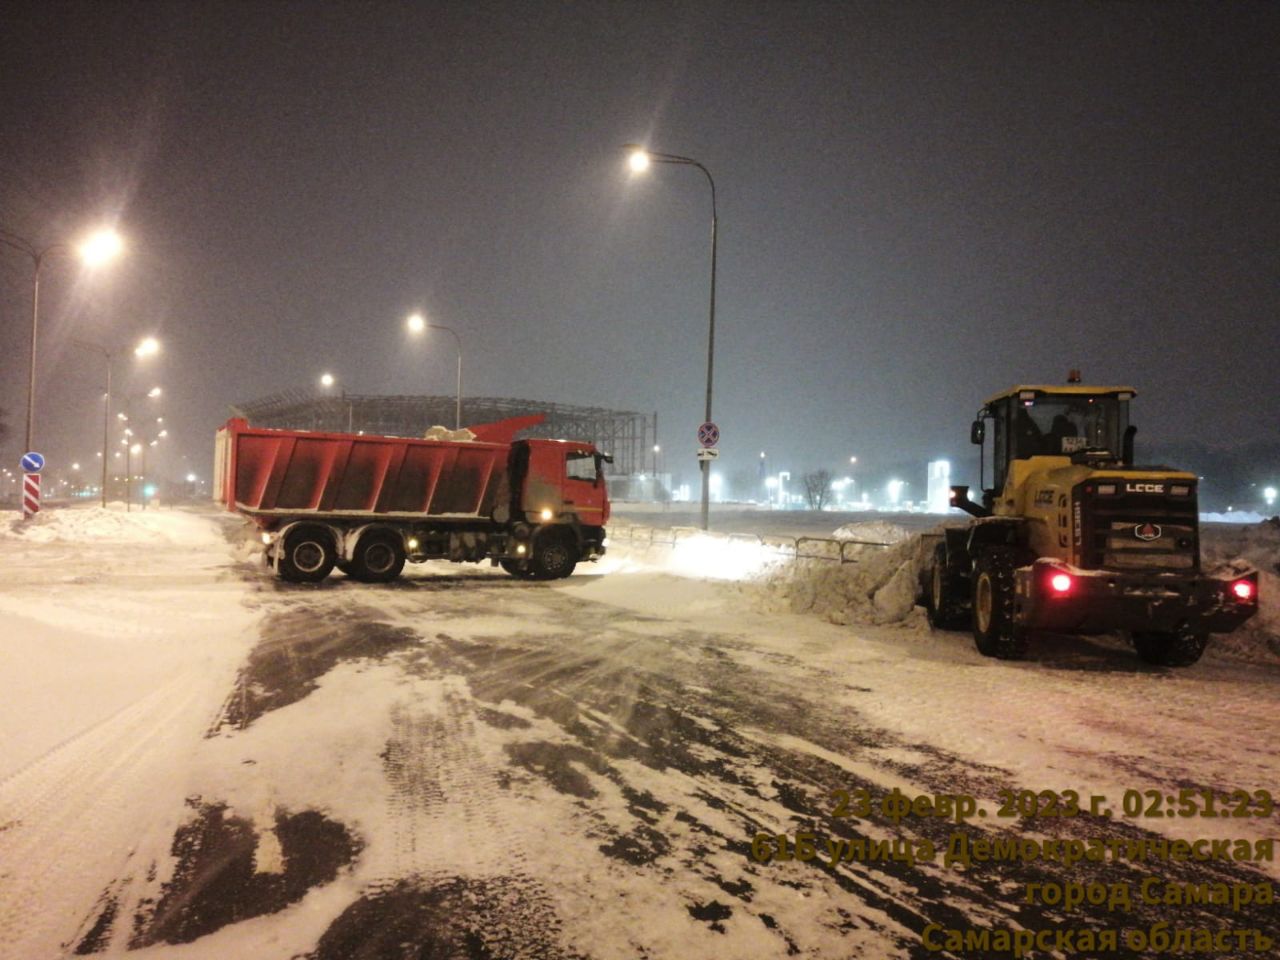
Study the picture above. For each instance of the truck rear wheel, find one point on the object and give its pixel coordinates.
(1181, 648)
(517, 568)
(942, 603)
(553, 557)
(995, 633)
(307, 555)
(378, 558)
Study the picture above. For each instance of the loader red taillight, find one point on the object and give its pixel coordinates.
(1060, 583)
(1242, 589)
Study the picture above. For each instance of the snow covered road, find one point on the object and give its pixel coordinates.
(202, 762)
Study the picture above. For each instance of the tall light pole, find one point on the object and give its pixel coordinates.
(130, 447)
(145, 348)
(639, 159)
(98, 248)
(417, 323)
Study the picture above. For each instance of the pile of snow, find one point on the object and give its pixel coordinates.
(83, 525)
(1258, 545)
(1233, 516)
(880, 587)
(461, 435)
(871, 531)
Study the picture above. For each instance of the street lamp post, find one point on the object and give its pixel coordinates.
(99, 248)
(639, 160)
(131, 447)
(416, 324)
(145, 348)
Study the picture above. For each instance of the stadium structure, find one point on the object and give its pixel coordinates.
(628, 436)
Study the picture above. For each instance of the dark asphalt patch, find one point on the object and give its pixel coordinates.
(711, 914)
(642, 845)
(215, 883)
(297, 648)
(497, 918)
(99, 934)
(554, 762)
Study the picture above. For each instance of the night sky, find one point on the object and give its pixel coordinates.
(919, 204)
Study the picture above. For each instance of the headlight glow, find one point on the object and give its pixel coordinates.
(546, 513)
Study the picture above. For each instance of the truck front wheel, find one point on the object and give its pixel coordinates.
(994, 632)
(378, 558)
(553, 557)
(307, 555)
(1181, 648)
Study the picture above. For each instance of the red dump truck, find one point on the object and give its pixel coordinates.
(367, 504)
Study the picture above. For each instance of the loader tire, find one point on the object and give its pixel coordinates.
(995, 633)
(1181, 648)
(942, 602)
(307, 555)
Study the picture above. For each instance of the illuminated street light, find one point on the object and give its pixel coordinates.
(639, 160)
(1270, 495)
(149, 347)
(100, 247)
(326, 380)
(97, 249)
(416, 325)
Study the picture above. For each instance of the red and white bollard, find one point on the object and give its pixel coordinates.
(30, 495)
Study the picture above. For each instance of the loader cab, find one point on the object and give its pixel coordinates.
(1062, 422)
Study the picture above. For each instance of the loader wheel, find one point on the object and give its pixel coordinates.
(308, 555)
(994, 632)
(942, 603)
(553, 557)
(1181, 648)
(379, 558)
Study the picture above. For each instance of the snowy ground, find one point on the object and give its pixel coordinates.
(197, 761)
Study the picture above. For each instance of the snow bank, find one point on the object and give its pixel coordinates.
(871, 531)
(1235, 516)
(1259, 545)
(879, 588)
(114, 525)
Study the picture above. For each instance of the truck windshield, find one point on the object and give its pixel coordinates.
(1060, 425)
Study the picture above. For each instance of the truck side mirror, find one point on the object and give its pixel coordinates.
(977, 431)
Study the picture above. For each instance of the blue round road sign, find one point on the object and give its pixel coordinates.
(33, 462)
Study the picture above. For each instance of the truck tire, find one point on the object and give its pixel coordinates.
(942, 603)
(517, 568)
(379, 557)
(994, 632)
(1181, 648)
(307, 555)
(553, 556)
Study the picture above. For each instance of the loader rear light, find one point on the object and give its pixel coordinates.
(1060, 583)
(1242, 590)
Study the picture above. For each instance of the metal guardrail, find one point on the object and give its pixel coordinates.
(794, 548)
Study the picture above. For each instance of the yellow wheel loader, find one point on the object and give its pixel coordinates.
(1073, 537)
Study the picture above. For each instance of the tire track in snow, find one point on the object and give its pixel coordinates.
(86, 796)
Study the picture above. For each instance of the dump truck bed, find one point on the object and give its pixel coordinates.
(266, 473)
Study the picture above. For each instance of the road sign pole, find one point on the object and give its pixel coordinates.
(30, 495)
